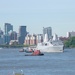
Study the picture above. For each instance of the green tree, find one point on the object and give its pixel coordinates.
(70, 42)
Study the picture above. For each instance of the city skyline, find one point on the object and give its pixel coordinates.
(2, 28)
(60, 15)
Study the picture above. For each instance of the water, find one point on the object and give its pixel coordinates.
(11, 60)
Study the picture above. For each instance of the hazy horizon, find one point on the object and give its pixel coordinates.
(36, 14)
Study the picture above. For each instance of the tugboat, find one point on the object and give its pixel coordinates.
(35, 53)
(18, 74)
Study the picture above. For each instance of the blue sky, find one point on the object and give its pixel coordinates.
(36, 14)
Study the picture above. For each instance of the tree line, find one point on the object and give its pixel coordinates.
(70, 43)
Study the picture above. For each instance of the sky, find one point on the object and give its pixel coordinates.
(36, 14)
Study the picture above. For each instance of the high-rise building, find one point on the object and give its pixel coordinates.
(8, 27)
(13, 35)
(1, 37)
(1, 32)
(48, 31)
(6, 39)
(22, 34)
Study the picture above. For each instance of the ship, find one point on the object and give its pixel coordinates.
(35, 53)
(52, 45)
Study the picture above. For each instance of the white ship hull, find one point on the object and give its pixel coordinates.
(53, 45)
(51, 48)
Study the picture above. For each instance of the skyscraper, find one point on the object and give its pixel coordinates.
(1, 32)
(1, 37)
(8, 27)
(48, 31)
(22, 34)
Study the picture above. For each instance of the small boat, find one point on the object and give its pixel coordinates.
(16, 73)
(27, 50)
(35, 53)
(21, 50)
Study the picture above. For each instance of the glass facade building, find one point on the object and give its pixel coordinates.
(8, 27)
(48, 31)
(22, 34)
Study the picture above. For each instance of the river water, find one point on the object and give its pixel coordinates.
(11, 60)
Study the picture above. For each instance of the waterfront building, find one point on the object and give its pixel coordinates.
(70, 34)
(27, 40)
(63, 38)
(30, 39)
(48, 31)
(22, 34)
(33, 39)
(39, 38)
(13, 42)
